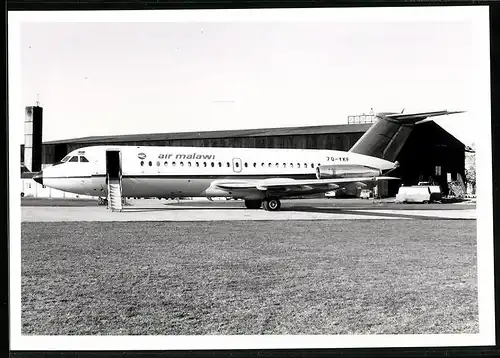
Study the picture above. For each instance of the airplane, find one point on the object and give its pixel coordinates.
(259, 176)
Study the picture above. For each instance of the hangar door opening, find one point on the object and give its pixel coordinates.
(113, 165)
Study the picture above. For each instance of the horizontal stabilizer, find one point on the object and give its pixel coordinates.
(415, 118)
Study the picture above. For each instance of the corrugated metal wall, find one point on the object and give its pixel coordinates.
(55, 152)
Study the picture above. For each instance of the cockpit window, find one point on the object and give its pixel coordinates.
(83, 159)
(74, 159)
(63, 160)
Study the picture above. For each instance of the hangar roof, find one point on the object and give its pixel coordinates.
(263, 132)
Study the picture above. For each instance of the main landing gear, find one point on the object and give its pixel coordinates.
(270, 204)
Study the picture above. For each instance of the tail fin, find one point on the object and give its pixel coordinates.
(385, 138)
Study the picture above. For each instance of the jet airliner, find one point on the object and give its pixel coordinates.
(261, 177)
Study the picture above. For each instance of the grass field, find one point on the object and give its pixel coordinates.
(300, 277)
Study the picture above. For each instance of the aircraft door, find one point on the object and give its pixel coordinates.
(113, 165)
(237, 165)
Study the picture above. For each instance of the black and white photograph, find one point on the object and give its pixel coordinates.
(250, 179)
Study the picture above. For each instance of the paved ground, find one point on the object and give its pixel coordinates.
(203, 210)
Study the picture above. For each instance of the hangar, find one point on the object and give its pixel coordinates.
(430, 153)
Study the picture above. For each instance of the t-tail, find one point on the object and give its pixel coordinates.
(385, 138)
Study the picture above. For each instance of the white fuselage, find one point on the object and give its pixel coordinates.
(190, 172)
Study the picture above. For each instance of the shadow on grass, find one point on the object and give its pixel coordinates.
(305, 209)
(371, 213)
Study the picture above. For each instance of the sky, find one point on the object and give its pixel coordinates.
(107, 78)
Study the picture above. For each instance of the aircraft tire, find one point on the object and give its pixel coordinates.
(253, 204)
(272, 204)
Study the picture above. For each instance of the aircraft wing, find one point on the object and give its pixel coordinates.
(286, 184)
(236, 184)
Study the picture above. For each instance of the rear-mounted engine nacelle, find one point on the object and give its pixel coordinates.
(345, 171)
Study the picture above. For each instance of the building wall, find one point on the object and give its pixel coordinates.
(32, 189)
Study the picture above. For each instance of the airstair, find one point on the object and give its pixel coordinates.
(115, 201)
(114, 180)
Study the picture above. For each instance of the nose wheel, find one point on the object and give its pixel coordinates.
(102, 201)
(271, 204)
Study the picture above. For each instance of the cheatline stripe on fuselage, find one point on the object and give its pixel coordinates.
(207, 176)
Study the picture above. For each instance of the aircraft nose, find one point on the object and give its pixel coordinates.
(38, 178)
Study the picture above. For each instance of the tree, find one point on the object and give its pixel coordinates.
(470, 167)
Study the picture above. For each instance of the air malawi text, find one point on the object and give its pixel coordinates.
(187, 156)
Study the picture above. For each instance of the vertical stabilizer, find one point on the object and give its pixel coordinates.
(385, 138)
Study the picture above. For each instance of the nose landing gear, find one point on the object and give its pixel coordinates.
(102, 201)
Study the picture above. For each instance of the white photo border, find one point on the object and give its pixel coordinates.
(478, 16)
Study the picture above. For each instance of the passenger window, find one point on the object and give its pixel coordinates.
(84, 160)
(269, 165)
(197, 164)
(173, 164)
(284, 165)
(204, 164)
(166, 164)
(181, 164)
(291, 165)
(212, 164)
(298, 165)
(142, 163)
(220, 164)
(277, 165)
(246, 165)
(228, 164)
(312, 165)
(74, 159)
(158, 164)
(237, 164)
(150, 163)
(262, 164)
(189, 164)
(254, 165)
